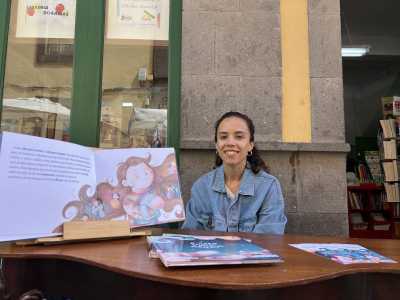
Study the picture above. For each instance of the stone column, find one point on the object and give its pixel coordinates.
(231, 60)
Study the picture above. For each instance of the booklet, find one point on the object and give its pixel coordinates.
(345, 253)
(45, 182)
(196, 250)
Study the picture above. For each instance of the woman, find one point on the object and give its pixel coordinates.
(238, 195)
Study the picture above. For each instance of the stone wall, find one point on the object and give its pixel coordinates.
(231, 60)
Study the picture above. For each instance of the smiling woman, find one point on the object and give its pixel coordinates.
(238, 195)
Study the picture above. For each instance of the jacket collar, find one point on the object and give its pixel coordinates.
(247, 183)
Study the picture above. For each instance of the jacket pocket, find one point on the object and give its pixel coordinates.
(207, 221)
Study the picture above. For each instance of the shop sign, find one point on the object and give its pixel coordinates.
(138, 19)
(46, 19)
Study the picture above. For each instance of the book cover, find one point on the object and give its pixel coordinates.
(194, 250)
(344, 253)
(45, 183)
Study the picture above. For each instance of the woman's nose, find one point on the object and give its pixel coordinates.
(230, 141)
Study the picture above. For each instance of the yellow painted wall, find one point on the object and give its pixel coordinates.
(296, 103)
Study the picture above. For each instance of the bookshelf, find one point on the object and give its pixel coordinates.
(374, 204)
(388, 141)
(370, 216)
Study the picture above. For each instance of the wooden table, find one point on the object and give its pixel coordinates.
(121, 269)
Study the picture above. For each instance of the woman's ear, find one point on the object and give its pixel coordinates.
(251, 146)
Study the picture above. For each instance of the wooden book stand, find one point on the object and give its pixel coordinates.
(80, 231)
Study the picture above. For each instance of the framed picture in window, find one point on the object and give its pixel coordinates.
(53, 53)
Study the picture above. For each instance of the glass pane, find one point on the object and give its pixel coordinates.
(135, 74)
(38, 75)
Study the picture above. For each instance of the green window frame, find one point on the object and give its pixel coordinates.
(88, 65)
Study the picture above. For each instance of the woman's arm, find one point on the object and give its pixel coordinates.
(193, 211)
(271, 217)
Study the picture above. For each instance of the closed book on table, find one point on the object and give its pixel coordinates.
(192, 250)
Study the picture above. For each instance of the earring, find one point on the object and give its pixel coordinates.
(250, 153)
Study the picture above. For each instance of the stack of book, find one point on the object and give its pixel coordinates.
(389, 159)
(355, 201)
(363, 173)
(392, 192)
(388, 128)
(357, 221)
(389, 149)
(390, 169)
(176, 250)
(372, 159)
(379, 221)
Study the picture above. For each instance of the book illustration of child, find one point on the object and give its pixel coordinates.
(148, 199)
(144, 194)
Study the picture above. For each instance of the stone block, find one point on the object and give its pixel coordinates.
(327, 110)
(284, 166)
(198, 43)
(260, 99)
(325, 46)
(323, 180)
(324, 7)
(210, 5)
(248, 44)
(331, 224)
(257, 5)
(193, 164)
(204, 99)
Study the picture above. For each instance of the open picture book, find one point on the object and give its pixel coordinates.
(194, 250)
(345, 254)
(45, 183)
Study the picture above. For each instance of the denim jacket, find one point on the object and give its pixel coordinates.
(259, 206)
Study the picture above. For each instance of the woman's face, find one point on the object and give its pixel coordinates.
(233, 141)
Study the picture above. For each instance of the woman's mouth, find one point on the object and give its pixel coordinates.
(230, 152)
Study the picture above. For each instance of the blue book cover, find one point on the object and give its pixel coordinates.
(194, 250)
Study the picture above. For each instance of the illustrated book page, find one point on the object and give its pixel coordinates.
(344, 253)
(45, 183)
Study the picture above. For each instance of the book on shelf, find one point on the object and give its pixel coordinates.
(344, 253)
(392, 192)
(383, 227)
(46, 182)
(377, 217)
(357, 222)
(372, 159)
(391, 170)
(355, 201)
(177, 250)
(388, 128)
(363, 173)
(390, 149)
(390, 106)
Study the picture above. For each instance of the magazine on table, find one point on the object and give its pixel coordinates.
(344, 253)
(196, 250)
(46, 182)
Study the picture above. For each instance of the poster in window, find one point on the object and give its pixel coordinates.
(46, 19)
(138, 19)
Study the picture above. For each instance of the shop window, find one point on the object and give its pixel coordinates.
(135, 74)
(38, 73)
